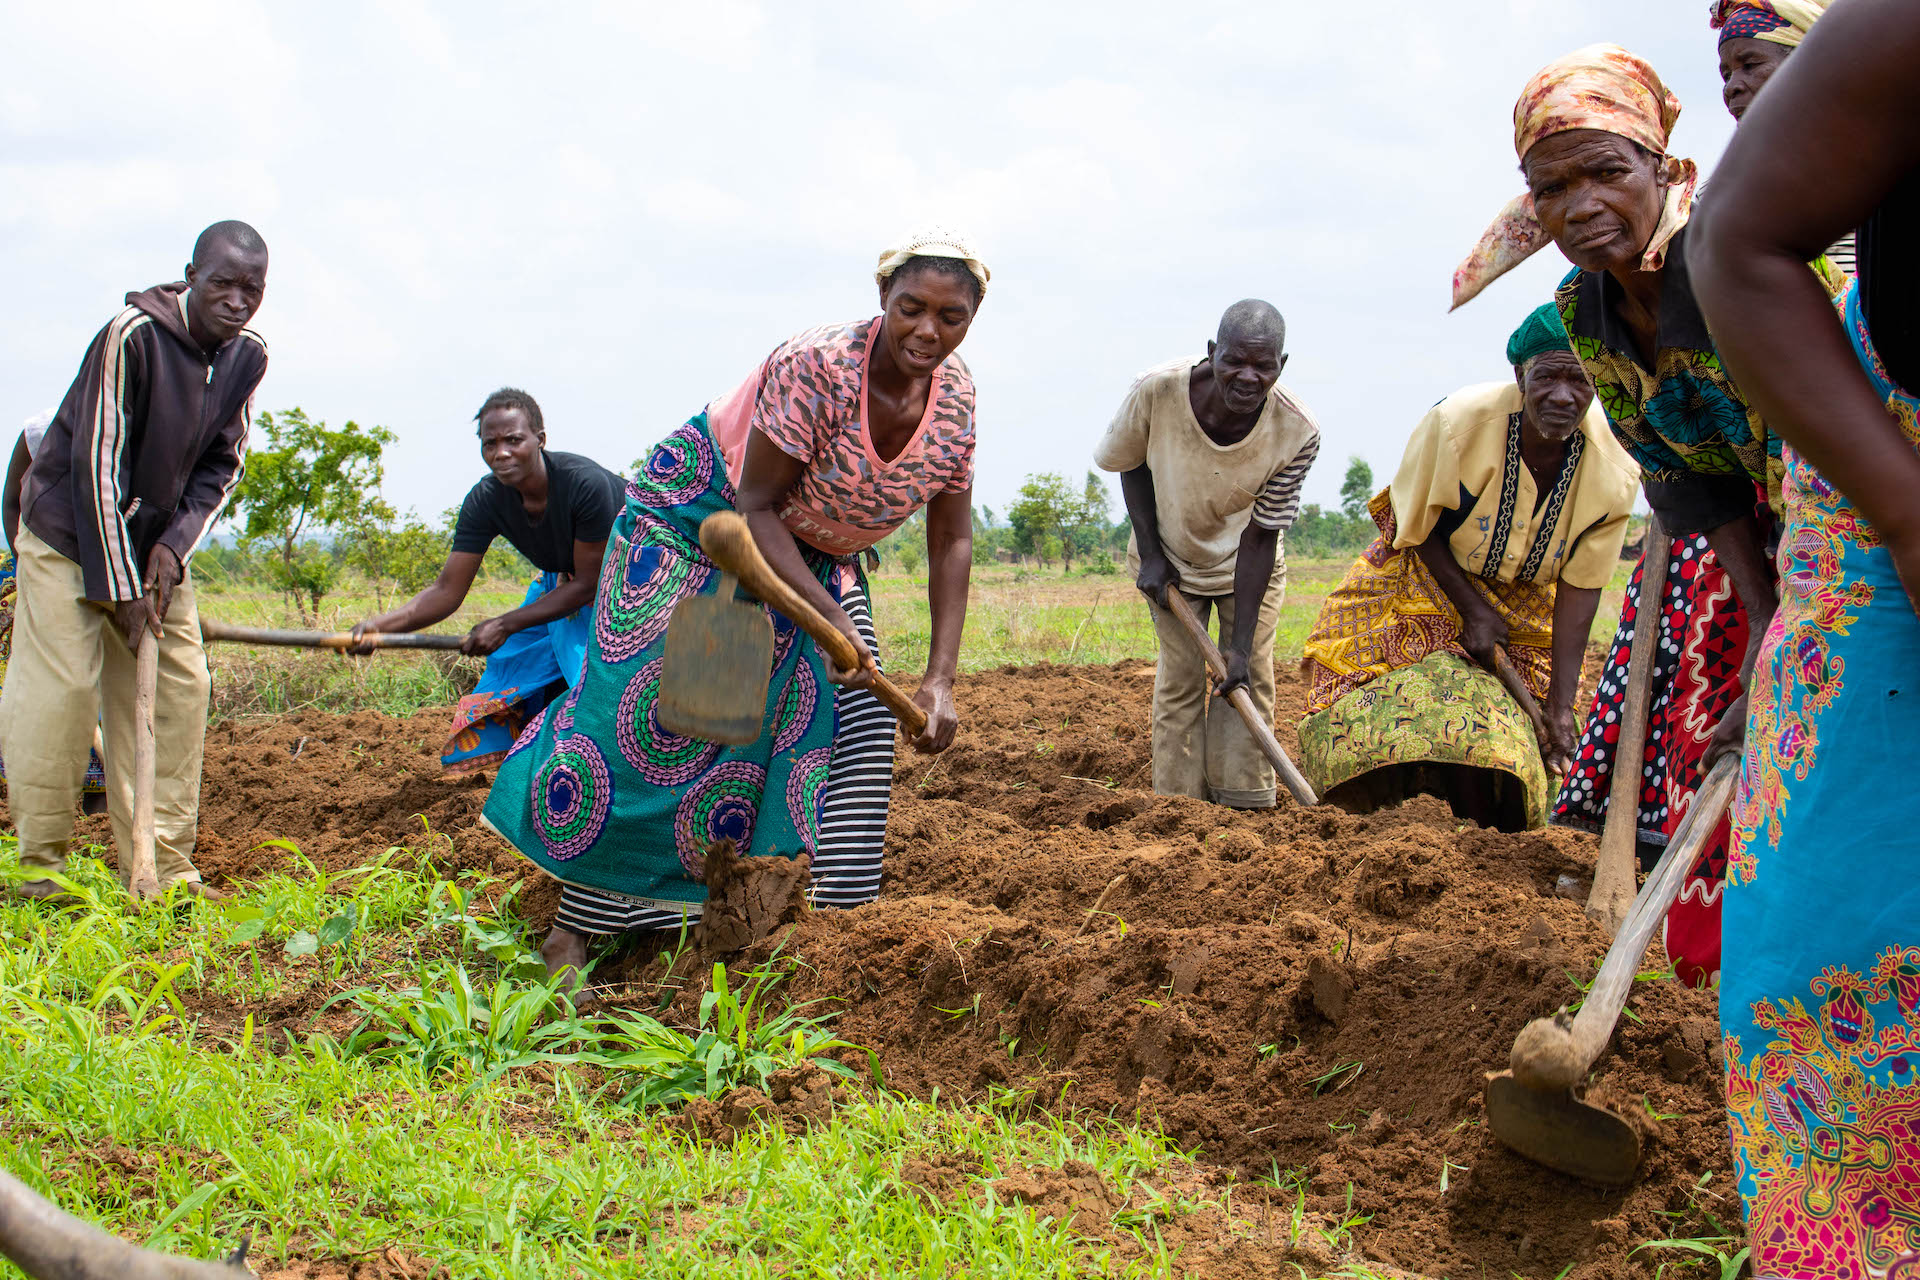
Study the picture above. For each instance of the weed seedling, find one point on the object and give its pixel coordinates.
(1338, 1078)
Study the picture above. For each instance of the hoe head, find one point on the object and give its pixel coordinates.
(1559, 1131)
(713, 676)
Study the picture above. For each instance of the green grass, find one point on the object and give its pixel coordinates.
(477, 1121)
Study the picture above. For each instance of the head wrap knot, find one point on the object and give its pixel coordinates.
(1604, 88)
(1782, 22)
(1540, 333)
(931, 242)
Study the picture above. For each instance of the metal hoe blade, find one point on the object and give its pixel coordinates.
(1561, 1132)
(713, 675)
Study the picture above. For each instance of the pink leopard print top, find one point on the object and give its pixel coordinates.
(809, 398)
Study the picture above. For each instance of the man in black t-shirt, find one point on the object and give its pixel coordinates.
(556, 510)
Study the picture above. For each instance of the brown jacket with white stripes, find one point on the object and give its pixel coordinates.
(147, 446)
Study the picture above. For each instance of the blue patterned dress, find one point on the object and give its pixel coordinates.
(1820, 984)
(595, 791)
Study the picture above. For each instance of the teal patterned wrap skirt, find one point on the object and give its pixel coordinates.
(599, 795)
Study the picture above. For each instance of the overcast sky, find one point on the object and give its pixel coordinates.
(623, 207)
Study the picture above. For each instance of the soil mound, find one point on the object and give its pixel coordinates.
(1295, 990)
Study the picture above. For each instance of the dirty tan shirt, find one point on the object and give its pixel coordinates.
(1205, 493)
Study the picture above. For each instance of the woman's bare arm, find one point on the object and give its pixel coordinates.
(768, 477)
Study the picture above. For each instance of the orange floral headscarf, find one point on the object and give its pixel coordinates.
(1601, 87)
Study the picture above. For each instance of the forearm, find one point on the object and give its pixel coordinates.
(777, 543)
(1742, 553)
(434, 604)
(1252, 576)
(1437, 555)
(1136, 490)
(947, 588)
(1573, 611)
(557, 603)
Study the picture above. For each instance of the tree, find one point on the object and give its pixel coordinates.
(906, 546)
(1093, 523)
(1039, 517)
(407, 554)
(310, 479)
(1052, 519)
(1356, 491)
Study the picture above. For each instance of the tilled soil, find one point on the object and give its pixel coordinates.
(1292, 990)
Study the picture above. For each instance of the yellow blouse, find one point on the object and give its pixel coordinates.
(1463, 474)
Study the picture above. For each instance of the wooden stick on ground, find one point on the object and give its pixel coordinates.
(143, 881)
(1100, 902)
(1242, 701)
(1613, 872)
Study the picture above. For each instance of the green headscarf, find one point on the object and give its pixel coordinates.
(1538, 334)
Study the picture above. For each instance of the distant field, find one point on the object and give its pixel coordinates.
(1014, 616)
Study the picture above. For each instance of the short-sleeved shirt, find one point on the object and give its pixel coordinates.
(1462, 475)
(810, 399)
(583, 498)
(1205, 494)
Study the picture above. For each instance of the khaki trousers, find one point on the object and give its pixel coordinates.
(1201, 747)
(69, 664)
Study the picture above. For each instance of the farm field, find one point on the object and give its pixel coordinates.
(1015, 616)
(1261, 1057)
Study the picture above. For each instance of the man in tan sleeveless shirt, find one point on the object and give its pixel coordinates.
(1212, 454)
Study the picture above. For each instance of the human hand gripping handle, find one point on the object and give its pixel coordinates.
(727, 540)
(1242, 701)
(1516, 685)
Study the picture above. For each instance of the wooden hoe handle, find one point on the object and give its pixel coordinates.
(1242, 701)
(728, 542)
(1613, 869)
(1516, 685)
(211, 629)
(1593, 1024)
(143, 881)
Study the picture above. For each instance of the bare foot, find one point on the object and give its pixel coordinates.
(565, 951)
(196, 889)
(40, 891)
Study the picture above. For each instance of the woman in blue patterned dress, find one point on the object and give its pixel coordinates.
(840, 436)
(1820, 981)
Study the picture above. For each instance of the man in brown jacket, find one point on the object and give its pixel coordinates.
(132, 472)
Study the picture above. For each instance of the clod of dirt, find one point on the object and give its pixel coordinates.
(1073, 1193)
(749, 898)
(1330, 987)
(1691, 1047)
(1185, 975)
(939, 1175)
(794, 1099)
(1545, 1057)
(802, 1093)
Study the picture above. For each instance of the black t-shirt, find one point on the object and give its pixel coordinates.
(583, 497)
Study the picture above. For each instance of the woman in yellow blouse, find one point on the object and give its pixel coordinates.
(1513, 499)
